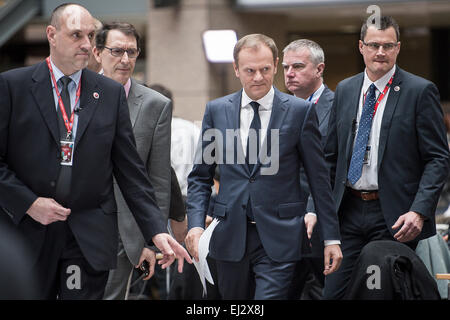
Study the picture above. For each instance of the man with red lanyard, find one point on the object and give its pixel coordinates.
(387, 152)
(64, 132)
(303, 65)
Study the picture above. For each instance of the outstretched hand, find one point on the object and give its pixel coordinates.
(171, 250)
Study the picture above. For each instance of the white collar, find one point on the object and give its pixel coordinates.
(380, 83)
(316, 95)
(265, 102)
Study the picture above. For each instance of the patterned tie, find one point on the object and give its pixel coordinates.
(65, 172)
(359, 149)
(256, 126)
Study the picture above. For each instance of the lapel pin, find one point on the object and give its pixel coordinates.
(96, 95)
(396, 88)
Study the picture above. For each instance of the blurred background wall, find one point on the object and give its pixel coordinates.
(173, 52)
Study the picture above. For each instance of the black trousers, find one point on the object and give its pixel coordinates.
(308, 280)
(63, 271)
(360, 223)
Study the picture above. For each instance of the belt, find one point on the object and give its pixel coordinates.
(365, 195)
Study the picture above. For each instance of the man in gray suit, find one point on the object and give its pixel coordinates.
(117, 47)
(303, 65)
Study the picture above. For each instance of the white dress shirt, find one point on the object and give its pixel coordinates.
(184, 139)
(264, 111)
(369, 176)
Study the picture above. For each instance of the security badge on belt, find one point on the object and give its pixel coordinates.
(67, 150)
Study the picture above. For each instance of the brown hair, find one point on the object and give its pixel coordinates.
(385, 23)
(126, 28)
(254, 41)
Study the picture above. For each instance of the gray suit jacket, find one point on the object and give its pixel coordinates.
(151, 115)
(323, 107)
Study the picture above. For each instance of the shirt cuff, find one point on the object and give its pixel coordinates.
(330, 242)
(312, 213)
(197, 228)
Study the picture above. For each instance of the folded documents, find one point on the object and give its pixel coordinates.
(203, 250)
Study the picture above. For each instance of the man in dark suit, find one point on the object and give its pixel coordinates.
(64, 131)
(387, 150)
(260, 232)
(116, 49)
(304, 64)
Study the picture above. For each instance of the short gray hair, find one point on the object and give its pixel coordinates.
(317, 55)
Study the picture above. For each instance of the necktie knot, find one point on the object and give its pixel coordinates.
(65, 80)
(255, 106)
(372, 89)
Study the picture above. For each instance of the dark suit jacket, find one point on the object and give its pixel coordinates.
(177, 210)
(323, 108)
(276, 202)
(104, 144)
(413, 155)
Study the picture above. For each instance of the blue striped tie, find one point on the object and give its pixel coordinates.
(359, 149)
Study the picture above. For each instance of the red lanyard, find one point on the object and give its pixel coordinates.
(68, 123)
(381, 96)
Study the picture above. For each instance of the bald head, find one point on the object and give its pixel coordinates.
(63, 12)
(70, 35)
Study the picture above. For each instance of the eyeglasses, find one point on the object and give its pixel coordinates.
(375, 46)
(118, 52)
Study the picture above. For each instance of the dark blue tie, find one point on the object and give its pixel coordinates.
(256, 126)
(359, 149)
(65, 173)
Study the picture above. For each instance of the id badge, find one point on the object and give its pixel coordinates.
(366, 160)
(66, 152)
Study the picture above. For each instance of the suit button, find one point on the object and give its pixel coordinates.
(244, 207)
(252, 179)
(52, 184)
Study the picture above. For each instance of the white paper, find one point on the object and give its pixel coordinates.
(203, 250)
